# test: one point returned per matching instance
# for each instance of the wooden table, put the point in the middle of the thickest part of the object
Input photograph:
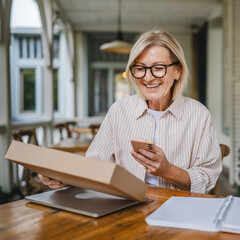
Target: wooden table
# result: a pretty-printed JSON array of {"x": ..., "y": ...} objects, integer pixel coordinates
[
  {"x": 91, "y": 129},
  {"x": 81, "y": 130},
  {"x": 73, "y": 145},
  {"x": 22, "y": 220}
]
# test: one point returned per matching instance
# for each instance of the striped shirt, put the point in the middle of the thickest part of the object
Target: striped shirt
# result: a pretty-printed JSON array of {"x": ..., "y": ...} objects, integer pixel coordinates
[{"x": 185, "y": 135}]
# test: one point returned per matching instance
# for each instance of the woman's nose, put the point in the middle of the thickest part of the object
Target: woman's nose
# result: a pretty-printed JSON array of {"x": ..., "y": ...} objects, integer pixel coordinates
[{"x": 148, "y": 75}]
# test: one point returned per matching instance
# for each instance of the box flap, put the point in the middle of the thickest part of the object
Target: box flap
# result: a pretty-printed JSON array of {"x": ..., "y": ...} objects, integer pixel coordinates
[{"x": 78, "y": 170}]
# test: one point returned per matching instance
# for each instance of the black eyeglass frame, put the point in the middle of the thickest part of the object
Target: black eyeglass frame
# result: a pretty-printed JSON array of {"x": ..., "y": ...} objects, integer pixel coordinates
[{"x": 145, "y": 68}]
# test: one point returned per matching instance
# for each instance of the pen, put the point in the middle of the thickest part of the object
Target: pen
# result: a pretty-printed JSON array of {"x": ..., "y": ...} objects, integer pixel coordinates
[{"x": 222, "y": 211}]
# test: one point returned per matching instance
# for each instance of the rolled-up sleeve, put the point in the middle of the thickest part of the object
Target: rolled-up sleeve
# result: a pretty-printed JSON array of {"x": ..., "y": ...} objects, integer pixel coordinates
[
  {"x": 206, "y": 167},
  {"x": 102, "y": 146}
]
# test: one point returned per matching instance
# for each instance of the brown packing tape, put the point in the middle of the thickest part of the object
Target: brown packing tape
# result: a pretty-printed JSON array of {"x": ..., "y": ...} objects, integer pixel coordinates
[{"x": 78, "y": 170}]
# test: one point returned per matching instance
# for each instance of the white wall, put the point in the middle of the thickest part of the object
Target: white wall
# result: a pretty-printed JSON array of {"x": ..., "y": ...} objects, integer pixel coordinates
[
  {"x": 215, "y": 85},
  {"x": 66, "y": 83},
  {"x": 185, "y": 40},
  {"x": 81, "y": 75},
  {"x": 25, "y": 13}
]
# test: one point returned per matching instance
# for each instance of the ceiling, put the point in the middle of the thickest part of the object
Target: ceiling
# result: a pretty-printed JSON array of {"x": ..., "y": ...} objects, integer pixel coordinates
[{"x": 137, "y": 15}]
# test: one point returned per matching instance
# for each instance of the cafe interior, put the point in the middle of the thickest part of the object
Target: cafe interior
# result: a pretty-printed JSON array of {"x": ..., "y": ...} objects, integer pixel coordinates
[{"x": 63, "y": 63}]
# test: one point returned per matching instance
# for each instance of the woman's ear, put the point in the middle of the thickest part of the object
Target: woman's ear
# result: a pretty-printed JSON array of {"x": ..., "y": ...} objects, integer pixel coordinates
[{"x": 178, "y": 72}]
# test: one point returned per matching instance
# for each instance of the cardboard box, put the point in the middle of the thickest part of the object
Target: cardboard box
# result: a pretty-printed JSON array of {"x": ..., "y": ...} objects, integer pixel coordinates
[{"x": 77, "y": 170}]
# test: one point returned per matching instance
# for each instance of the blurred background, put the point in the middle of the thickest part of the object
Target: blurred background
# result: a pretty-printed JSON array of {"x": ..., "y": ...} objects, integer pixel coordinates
[{"x": 62, "y": 65}]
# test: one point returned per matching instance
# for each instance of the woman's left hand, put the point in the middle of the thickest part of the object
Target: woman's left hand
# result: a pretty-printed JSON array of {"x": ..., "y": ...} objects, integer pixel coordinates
[
  {"x": 155, "y": 163},
  {"x": 158, "y": 165}
]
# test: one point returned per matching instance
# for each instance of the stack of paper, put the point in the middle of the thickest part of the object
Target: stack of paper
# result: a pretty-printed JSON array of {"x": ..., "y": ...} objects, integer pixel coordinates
[{"x": 205, "y": 214}]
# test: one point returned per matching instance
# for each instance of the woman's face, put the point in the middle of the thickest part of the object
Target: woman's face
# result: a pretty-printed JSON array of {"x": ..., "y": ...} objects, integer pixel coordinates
[{"x": 157, "y": 90}]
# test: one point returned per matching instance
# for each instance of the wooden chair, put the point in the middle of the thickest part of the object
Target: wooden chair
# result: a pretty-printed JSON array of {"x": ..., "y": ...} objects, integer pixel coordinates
[
  {"x": 60, "y": 127},
  {"x": 94, "y": 128},
  {"x": 65, "y": 126},
  {"x": 225, "y": 150},
  {"x": 32, "y": 184},
  {"x": 69, "y": 125},
  {"x": 86, "y": 132},
  {"x": 29, "y": 133},
  {"x": 68, "y": 143}
]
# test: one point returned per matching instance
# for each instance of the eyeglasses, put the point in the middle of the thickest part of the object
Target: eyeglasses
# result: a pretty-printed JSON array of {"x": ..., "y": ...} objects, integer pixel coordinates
[{"x": 158, "y": 70}]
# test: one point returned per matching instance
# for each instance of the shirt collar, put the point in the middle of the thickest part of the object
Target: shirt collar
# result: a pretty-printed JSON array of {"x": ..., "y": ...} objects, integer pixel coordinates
[
  {"x": 176, "y": 108},
  {"x": 141, "y": 108}
]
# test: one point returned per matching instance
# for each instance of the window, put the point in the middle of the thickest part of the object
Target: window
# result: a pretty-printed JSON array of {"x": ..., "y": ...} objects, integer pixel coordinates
[
  {"x": 100, "y": 94},
  {"x": 106, "y": 80},
  {"x": 121, "y": 88},
  {"x": 28, "y": 89},
  {"x": 30, "y": 47},
  {"x": 37, "y": 48},
  {"x": 20, "y": 42},
  {"x": 28, "y": 42},
  {"x": 107, "y": 85},
  {"x": 27, "y": 76}
]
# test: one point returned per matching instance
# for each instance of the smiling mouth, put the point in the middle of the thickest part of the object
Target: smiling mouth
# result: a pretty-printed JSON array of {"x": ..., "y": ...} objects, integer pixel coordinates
[{"x": 152, "y": 85}]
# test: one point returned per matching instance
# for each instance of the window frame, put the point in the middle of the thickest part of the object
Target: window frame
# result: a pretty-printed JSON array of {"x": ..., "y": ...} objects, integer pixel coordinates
[
  {"x": 35, "y": 61},
  {"x": 110, "y": 67}
]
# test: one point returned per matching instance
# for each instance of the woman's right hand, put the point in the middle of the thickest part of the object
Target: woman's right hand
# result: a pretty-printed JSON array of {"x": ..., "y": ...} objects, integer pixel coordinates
[{"x": 51, "y": 183}]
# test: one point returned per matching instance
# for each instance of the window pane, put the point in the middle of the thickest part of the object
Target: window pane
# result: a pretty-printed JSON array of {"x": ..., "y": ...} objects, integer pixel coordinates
[
  {"x": 28, "y": 89},
  {"x": 28, "y": 47},
  {"x": 35, "y": 47},
  {"x": 41, "y": 48},
  {"x": 55, "y": 89},
  {"x": 20, "y": 47},
  {"x": 100, "y": 91},
  {"x": 56, "y": 47},
  {"x": 121, "y": 88}
]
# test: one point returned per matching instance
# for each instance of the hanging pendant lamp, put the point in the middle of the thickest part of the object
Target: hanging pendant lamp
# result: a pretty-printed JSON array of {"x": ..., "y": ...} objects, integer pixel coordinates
[{"x": 118, "y": 45}]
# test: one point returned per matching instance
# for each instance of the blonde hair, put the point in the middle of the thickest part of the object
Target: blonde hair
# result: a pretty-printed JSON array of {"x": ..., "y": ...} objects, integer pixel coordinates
[{"x": 163, "y": 39}]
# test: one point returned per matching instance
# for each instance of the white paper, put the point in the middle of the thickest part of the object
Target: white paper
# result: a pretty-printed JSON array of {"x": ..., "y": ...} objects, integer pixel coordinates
[
  {"x": 187, "y": 212},
  {"x": 231, "y": 220}
]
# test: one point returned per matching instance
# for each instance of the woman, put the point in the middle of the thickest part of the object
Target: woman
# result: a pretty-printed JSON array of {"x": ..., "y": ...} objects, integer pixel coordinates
[{"x": 187, "y": 155}]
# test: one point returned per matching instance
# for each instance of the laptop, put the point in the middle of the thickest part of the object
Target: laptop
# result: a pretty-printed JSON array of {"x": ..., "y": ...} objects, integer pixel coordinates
[{"x": 82, "y": 201}]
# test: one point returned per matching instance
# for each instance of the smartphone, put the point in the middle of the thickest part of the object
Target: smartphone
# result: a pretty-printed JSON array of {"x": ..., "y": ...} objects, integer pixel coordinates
[{"x": 143, "y": 144}]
